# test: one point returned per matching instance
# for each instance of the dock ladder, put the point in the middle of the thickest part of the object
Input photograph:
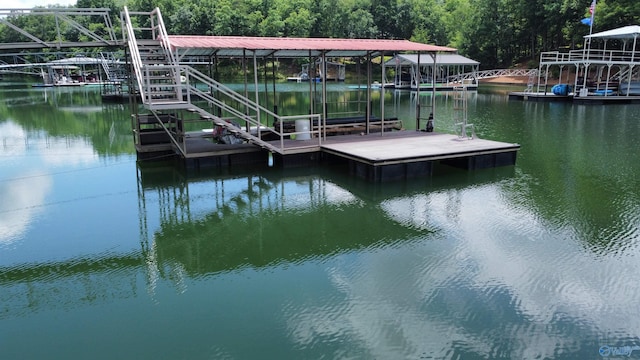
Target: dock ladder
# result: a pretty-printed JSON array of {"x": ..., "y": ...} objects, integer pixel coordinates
[
  {"x": 424, "y": 113},
  {"x": 460, "y": 109},
  {"x": 533, "y": 78}
]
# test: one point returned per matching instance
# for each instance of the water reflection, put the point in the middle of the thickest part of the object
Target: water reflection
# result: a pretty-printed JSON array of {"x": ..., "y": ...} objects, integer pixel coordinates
[
  {"x": 21, "y": 203},
  {"x": 231, "y": 222}
]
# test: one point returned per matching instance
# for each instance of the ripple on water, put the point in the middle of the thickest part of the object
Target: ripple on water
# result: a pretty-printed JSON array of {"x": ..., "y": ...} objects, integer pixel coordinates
[{"x": 29, "y": 288}]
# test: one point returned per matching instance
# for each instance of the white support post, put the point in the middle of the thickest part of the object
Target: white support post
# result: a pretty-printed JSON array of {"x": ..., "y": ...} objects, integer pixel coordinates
[
  {"x": 257, "y": 93},
  {"x": 324, "y": 92},
  {"x": 381, "y": 94},
  {"x": 418, "y": 101}
]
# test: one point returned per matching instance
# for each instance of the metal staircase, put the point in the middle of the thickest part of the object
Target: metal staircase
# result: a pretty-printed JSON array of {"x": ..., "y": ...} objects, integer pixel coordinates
[
  {"x": 170, "y": 91},
  {"x": 113, "y": 69}
]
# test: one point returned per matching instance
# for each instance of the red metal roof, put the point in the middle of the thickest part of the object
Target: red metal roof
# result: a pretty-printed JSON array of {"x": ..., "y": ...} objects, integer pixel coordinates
[{"x": 293, "y": 47}]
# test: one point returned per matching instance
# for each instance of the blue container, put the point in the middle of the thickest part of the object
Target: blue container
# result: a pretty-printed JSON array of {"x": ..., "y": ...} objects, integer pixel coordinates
[{"x": 561, "y": 89}]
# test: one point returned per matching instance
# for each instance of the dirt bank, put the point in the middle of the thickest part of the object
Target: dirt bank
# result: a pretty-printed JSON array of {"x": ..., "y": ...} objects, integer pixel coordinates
[
  {"x": 506, "y": 80},
  {"x": 517, "y": 80}
]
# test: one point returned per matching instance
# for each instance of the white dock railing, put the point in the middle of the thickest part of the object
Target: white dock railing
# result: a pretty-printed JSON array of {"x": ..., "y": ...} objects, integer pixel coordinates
[
  {"x": 487, "y": 74},
  {"x": 591, "y": 56}
]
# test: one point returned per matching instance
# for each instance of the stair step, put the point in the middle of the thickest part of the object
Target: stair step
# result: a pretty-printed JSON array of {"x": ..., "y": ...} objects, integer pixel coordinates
[{"x": 162, "y": 93}]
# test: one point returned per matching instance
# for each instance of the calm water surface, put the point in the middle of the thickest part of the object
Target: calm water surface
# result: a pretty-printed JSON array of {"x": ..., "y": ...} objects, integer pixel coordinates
[{"x": 104, "y": 258}]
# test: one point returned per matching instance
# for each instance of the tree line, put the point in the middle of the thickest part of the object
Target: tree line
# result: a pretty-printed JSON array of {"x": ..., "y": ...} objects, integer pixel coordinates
[{"x": 497, "y": 33}]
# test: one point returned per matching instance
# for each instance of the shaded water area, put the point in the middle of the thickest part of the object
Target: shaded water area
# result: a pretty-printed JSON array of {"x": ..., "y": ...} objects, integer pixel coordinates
[{"x": 103, "y": 258}]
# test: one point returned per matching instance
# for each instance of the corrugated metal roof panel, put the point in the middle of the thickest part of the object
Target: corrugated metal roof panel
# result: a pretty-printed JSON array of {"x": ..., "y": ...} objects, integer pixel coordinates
[
  {"x": 293, "y": 47},
  {"x": 626, "y": 32},
  {"x": 441, "y": 59}
]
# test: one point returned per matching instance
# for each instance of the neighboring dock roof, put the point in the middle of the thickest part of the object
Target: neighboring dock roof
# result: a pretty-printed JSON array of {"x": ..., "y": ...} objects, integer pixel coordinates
[
  {"x": 77, "y": 60},
  {"x": 236, "y": 46},
  {"x": 625, "y": 32},
  {"x": 441, "y": 59}
]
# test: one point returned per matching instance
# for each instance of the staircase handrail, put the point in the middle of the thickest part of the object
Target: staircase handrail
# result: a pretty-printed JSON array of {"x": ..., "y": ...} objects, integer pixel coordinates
[
  {"x": 104, "y": 62},
  {"x": 164, "y": 36},
  {"x": 136, "y": 61},
  {"x": 250, "y": 104}
]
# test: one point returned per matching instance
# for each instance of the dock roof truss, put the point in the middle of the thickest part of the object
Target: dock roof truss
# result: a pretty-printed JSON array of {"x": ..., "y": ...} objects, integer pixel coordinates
[{"x": 64, "y": 17}]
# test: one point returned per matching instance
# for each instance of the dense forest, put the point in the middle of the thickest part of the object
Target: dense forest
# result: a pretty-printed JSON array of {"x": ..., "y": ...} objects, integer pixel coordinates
[{"x": 498, "y": 33}]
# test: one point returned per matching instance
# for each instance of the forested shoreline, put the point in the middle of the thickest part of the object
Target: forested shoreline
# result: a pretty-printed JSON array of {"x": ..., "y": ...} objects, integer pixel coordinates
[{"x": 497, "y": 33}]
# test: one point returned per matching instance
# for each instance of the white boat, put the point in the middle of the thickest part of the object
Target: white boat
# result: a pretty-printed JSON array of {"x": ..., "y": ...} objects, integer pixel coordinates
[{"x": 65, "y": 81}]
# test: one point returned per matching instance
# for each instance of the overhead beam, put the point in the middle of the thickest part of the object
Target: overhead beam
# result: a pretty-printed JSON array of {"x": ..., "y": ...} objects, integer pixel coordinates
[{"x": 66, "y": 16}]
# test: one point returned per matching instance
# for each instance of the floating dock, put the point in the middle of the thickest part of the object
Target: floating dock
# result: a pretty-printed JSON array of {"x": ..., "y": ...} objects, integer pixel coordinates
[
  {"x": 534, "y": 96},
  {"x": 590, "y": 99},
  {"x": 395, "y": 156},
  {"x": 410, "y": 154}
]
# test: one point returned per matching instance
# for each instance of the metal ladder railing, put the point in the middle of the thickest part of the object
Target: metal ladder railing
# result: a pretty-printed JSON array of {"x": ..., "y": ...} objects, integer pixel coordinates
[
  {"x": 111, "y": 67},
  {"x": 460, "y": 111},
  {"x": 424, "y": 114},
  {"x": 531, "y": 82},
  {"x": 130, "y": 37}
]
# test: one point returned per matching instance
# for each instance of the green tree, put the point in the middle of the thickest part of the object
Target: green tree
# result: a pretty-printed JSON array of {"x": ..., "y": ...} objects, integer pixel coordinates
[
  {"x": 384, "y": 13},
  {"x": 360, "y": 25},
  {"x": 429, "y": 26},
  {"x": 298, "y": 23},
  {"x": 182, "y": 20},
  {"x": 229, "y": 18},
  {"x": 614, "y": 13},
  {"x": 327, "y": 14}
]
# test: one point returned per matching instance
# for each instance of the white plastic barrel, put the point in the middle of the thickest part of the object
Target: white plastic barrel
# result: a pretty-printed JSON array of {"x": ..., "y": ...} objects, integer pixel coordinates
[{"x": 302, "y": 130}]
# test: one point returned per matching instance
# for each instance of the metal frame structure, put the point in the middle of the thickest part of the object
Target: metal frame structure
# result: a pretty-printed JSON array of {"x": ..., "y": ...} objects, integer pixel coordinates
[
  {"x": 65, "y": 18},
  {"x": 447, "y": 70},
  {"x": 168, "y": 86},
  {"x": 614, "y": 68}
]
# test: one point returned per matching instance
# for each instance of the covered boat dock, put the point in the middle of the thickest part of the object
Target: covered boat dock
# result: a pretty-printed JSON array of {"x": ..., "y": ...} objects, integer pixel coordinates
[
  {"x": 436, "y": 71},
  {"x": 606, "y": 70},
  {"x": 174, "y": 94}
]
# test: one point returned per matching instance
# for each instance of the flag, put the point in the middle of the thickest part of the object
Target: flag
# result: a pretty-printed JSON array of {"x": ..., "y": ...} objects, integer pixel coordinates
[{"x": 592, "y": 11}]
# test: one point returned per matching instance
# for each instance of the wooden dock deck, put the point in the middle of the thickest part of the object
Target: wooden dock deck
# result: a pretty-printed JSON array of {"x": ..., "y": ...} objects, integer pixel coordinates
[
  {"x": 405, "y": 154},
  {"x": 412, "y": 154},
  {"x": 411, "y": 146}
]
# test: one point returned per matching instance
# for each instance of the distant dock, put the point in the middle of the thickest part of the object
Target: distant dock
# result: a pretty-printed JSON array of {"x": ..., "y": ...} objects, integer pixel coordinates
[
  {"x": 534, "y": 96},
  {"x": 590, "y": 99}
]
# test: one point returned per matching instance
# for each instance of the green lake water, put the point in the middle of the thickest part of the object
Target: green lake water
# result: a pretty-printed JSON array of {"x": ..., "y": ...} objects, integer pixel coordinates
[{"x": 105, "y": 258}]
